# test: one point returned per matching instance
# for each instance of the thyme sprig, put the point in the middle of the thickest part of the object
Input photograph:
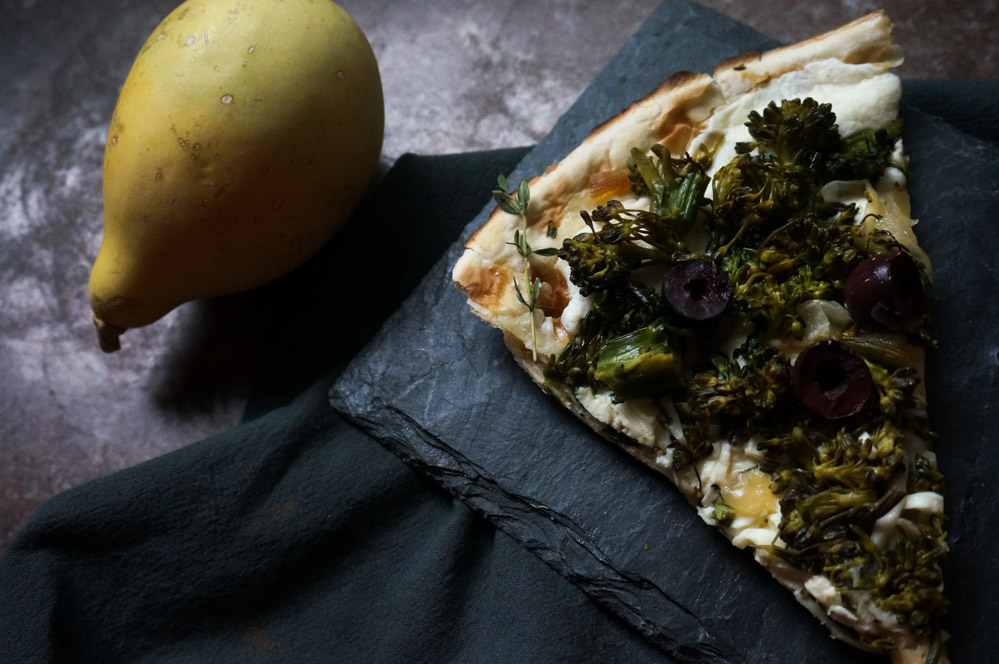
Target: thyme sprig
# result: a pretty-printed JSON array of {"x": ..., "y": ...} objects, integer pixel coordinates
[{"x": 516, "y": 204}]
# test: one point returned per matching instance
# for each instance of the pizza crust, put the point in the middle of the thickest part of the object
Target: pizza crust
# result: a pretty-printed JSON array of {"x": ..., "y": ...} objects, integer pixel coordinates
[{"x": 867, "y": 40}]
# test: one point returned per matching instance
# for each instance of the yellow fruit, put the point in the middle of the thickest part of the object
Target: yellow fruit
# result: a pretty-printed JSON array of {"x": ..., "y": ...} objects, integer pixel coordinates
[{"x": 245, "y": 134}]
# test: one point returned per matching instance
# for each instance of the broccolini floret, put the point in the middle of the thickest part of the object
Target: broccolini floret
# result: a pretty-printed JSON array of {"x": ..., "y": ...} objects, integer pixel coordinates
[
  {"x": 798, "y": 132},
  {"x": 864, "y": 155},
  {"x": 796, "y": 149},
  {"x": 604, "y": 259},
  {"x": 627, "y": 240},
  {"x": 835, "y": 485},
  {"x": 627, "y": 309}
]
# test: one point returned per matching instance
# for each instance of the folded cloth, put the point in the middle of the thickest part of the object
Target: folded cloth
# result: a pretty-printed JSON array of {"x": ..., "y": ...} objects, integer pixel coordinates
[{"x": 295, "y": 537}]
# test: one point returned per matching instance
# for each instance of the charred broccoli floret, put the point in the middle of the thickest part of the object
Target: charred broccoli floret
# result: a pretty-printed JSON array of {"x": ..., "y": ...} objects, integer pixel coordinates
[
  {"x": 603, "y": 259},
  {"x": 796, "y": 149},
  {"x": 775, "y": 176},
  {"x": 909, "y": 580},
  {"x": 745, "y": 387},
  {"x": 627, "y": 240},
  {"x": 864, "y": 155},
  {"x": 614, "y": 314},
  {"x": 799, "y": 132},
  {"x": 735, "y": 394}
]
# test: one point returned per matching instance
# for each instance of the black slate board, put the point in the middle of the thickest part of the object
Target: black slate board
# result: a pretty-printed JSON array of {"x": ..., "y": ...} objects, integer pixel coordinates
[{"x": 438, "y": 388}]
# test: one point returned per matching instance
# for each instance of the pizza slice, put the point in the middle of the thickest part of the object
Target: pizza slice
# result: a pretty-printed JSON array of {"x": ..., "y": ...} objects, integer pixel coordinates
[{"x": 724, "y": 280}]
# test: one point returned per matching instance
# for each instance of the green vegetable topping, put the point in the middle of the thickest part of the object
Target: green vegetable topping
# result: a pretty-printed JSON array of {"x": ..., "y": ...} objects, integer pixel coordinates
[
  {"x": 768, "y": 228},
  {"x": 639, "y": 364},
  {"x": 628, "y": 309},
  {"x": 722, "y": 511}
]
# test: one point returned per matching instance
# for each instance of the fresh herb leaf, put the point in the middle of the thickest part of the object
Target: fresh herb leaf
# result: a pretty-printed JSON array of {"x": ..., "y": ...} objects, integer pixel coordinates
[{"x": 517, "y": 204}]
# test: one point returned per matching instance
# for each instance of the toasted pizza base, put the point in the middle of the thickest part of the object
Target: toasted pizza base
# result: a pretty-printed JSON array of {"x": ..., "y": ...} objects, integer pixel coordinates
[{"x": 690, "y": 113}]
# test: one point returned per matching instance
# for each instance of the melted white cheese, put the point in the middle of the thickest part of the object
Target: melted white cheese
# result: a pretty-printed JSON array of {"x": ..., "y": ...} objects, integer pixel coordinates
[
  {"x": 823, "y": 590},
  {"x": 730, "y": 473},
  {"x": 637, "y": 418},
  {"x": 900, "y": 519},
  {"x": 578, "y": 305},
  {"x": 862, "y": 96}
]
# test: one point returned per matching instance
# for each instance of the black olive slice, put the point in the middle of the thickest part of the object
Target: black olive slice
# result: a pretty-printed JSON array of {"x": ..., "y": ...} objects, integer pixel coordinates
[
  {"x": 831, "y": 380},
  {"x": 886, "y": 289},
  {"x": 697, "y": 289}
]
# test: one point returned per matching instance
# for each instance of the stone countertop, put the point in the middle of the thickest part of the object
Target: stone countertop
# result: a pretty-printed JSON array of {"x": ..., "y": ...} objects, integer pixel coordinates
[{"x": 458, "y": 76}]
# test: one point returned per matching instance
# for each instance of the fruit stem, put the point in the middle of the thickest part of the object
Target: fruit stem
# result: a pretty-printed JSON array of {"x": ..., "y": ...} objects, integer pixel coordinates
[{"x": 108, "y": 335}]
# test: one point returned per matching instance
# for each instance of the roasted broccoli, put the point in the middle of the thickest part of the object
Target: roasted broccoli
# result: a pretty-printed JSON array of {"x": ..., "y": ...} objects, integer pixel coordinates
[
  {"x": 602, "y": 259},
  {"x": 745, "y": 387},
  {"x": 863, "y": 155},
  {"x": 796, "y": 149},
  {"x": 643, "y": 363},
  {"x": 799, "y": 132},
  {"x": 734, "y": 394},
  {"x": 774, "y": 178},
  {"x": 909, "y": 581},
  {"x": 627, "y": 309},
  {"x": 835, "y": 484}
]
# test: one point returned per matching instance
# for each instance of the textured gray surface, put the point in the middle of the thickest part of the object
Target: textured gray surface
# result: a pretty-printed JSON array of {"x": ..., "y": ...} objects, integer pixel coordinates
[{"x": 458, "y": 76}]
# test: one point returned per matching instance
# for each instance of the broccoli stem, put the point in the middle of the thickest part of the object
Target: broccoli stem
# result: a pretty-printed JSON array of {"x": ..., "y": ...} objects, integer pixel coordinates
[{"x": 642, "y": 363}]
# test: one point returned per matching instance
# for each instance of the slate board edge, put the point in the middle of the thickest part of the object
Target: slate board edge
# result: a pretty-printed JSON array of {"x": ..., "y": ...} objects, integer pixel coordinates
[{"x": 673, "y": 627}]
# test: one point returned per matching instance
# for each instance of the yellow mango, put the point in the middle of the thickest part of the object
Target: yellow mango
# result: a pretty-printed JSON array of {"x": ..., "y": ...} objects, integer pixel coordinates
[{"x": 245, "y": 134}]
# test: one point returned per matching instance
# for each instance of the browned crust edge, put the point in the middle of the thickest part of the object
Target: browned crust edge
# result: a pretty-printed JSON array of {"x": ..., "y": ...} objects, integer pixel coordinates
[{"x": 865, "y": 40}]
